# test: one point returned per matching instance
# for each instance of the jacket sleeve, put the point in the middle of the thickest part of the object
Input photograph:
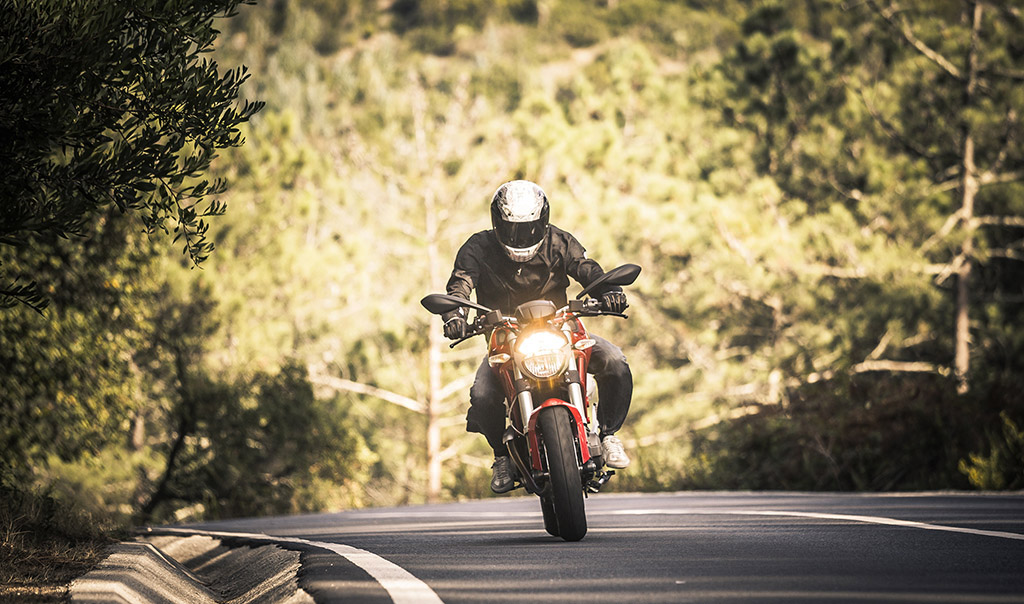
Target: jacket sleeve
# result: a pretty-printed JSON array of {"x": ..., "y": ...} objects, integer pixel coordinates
[
  {"x": 583, "y": 269},
  {"x": 464, "y": 277}
]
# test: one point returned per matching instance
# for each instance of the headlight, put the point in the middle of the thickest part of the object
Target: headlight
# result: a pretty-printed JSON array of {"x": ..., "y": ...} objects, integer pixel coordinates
[{"x": 544, "y": 353}]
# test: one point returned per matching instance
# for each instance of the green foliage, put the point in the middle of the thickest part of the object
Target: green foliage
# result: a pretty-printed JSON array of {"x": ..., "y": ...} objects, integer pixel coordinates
[
  {"x": 112, "y": 105},
  {"x": 926, "y": 117},
  {"x": 44, "y": 545},
  {"x": 431, "y": 25},
  {"x": 69, "y": 381},
  {"x": 26, "y": 512},
  {"x": 785, "y": 241},
  {"x": 1003, "y": 467},
  {"x": 253, "y": 448},
  {"x": 579, "y": 23},
  {"x": 790, "y": 329},
  {"x": 101, "y": 486},
  {"x": 869, "y": 433}
]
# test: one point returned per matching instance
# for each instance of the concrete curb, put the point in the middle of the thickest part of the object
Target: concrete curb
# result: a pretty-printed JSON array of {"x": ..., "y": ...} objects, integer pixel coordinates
[{"x": 192, "y": 570}]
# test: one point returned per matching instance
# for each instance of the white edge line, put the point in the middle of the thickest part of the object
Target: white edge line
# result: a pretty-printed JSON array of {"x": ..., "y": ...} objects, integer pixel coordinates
[
  {"x": 401, "y": 585},
  {"x": 826, "y": 516}
]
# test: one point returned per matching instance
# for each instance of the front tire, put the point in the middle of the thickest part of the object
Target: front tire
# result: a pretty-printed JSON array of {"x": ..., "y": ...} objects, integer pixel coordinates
[
  {"x": 547, "y": 508},
  {"x": 565, "y": 486}
]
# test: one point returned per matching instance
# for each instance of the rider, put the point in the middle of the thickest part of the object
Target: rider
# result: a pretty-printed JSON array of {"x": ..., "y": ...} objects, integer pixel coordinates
[{"x": 524, "y": 258}]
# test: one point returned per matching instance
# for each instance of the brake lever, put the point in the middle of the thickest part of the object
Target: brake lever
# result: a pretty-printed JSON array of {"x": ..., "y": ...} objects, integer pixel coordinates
[
  {"x": 479, "y": 326},
  {"x": 606, "y": 313},
  {"x": 464, "y": 338}
]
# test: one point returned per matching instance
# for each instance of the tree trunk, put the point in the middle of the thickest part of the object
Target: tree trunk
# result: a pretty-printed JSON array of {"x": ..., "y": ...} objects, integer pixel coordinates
[
  {"x": 137, "y": 440},
  {"x": 137, "y": 433},
  {"x": 163, "y": 491},
  {"x": 962, "y": 355},
  {"x": 186, "y": 425}
]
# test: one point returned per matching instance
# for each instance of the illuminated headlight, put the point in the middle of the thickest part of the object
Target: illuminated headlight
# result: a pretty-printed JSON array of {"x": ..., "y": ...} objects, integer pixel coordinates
[{"x": 544, "y": 353}]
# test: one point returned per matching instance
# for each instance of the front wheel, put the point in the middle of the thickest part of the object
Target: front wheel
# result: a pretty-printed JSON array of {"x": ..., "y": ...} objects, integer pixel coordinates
[
  {"x": 547, "y": 508},
  {"x": 565, "y": 484}
]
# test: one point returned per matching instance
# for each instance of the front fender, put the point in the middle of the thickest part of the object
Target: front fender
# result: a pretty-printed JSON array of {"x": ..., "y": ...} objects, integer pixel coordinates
[{"x": 579, "y": 428}]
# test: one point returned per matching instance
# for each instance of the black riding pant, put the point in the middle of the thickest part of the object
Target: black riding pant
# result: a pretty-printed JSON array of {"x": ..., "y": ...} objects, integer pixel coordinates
[{"x": 486, "y": 413}]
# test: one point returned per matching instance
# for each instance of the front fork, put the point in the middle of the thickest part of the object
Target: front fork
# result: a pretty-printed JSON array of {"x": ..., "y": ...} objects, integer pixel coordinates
[
  {"x": 593, "y": 432},
  {"x": 593, "y": 477},
  {"x": 524, "y": 398}
]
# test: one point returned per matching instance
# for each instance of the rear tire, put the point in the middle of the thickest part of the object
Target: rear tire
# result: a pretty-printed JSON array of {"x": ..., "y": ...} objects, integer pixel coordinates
[{"x": 565, "y": 483}]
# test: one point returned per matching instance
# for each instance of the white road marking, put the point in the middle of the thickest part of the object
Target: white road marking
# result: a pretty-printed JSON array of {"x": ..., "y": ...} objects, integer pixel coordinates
[
  {"x": 823, "y": 516},
  {"x": 455, "y": 522},
  {"x": 404, "y": 588},
  {"x": 365, "y": 514},
  {"x": 401, "y": 585}
]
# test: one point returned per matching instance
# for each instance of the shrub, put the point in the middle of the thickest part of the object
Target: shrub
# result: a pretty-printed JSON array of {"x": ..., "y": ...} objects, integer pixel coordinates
[
  {"x": 579, "y": 27},
  {"x": 871, "y": 432},
  {"x": 1003, "y": 467}
]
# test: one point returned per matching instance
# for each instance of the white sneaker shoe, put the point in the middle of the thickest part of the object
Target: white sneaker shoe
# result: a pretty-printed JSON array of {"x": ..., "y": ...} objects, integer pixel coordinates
[{"x": 614, "y": 453}]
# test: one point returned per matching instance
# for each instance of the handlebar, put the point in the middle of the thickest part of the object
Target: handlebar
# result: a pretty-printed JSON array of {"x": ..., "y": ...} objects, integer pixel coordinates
[
  {"x": 472, "y": 334},
  {"x": 590, "y": 307}
]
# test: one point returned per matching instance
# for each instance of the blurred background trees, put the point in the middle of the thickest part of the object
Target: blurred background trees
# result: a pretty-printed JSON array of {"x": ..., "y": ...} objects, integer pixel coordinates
[{"x": 823, "y": 198}]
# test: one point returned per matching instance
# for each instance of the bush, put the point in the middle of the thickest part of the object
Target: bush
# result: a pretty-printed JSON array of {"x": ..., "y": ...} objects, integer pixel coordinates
[
  {"x": 434, "y": 40},
  {"x": 870, "y": 432},
  {"x": 579, "y": 27},
  {"x": 1003, "y": 467},
  {"x": 44, "y": 545}
]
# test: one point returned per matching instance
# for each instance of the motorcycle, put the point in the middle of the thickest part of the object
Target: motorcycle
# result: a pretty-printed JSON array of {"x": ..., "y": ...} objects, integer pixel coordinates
[{"x": 540, "y": 355}]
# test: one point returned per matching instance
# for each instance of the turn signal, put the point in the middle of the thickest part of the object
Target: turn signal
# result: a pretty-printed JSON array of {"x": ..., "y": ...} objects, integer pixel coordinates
[
  {"x": 584, "y": 344},
  {"x": 499, "y": 359}
]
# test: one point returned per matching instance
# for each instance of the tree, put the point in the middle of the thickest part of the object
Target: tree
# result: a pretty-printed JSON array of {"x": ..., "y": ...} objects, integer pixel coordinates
[
  {"x": 69, "y": 381},
  {"x": 959, "y": 70},
  {"x": 111, "y": 104},
  {"x": 253, "y": 444},
  {"x": 861, "y": 124},
  {"x": 903, "y": 131},
  {"x": 441, "y": 128}
]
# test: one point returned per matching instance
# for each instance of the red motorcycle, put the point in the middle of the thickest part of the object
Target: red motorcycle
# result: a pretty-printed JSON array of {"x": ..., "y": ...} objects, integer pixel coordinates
[{"x": 540, "y": 355}]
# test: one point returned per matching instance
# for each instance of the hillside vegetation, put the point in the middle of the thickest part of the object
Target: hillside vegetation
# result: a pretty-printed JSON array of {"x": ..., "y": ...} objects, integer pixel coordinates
[{"x": 829, "y": 222}]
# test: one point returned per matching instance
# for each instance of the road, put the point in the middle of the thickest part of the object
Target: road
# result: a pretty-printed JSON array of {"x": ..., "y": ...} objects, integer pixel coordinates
[{"x": 681, "y": 547}]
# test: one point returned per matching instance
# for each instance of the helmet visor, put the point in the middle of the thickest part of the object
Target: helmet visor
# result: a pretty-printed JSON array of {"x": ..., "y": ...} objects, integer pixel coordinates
[{"x": 521, "y": 234}]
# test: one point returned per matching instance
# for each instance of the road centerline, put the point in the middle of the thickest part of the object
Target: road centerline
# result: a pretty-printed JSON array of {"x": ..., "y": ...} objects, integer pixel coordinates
[{"x": 881, "y": 520}]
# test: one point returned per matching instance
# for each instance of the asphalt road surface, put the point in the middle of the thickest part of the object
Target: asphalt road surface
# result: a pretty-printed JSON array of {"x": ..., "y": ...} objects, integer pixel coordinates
[{"x": 681, "y": 547}]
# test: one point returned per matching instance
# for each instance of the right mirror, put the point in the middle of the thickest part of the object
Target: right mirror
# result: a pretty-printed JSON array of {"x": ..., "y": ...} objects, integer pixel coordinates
[{"x": 620, "y": 275}]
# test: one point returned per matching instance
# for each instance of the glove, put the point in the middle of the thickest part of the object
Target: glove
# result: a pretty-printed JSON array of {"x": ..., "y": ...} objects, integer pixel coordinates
[
  {"x": 456, "y": 328},
  {"x": 614, "y": 302}
]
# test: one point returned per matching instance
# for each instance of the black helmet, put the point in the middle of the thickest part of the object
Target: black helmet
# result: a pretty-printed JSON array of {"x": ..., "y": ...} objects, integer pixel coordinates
[{"x": 519, "y": 215}]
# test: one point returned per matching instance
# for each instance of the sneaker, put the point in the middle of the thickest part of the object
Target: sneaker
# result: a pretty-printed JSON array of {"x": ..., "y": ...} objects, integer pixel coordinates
[
  {"x": 501, "y": 475},
  {"x": 614, "y": 454}
]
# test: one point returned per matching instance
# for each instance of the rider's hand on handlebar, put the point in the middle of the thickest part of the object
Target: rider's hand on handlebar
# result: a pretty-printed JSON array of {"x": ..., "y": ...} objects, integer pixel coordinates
[
  {"x": 614, "y": 302},
  {"x": 456, "y": 328}
]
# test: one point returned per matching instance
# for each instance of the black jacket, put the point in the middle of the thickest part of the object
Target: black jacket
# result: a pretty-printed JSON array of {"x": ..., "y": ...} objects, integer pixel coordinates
[{"x": 503, "y": 284}]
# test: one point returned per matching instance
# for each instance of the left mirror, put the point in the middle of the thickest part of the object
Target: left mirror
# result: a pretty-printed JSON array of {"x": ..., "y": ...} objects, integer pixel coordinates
[{"x": 441, "y": 303}]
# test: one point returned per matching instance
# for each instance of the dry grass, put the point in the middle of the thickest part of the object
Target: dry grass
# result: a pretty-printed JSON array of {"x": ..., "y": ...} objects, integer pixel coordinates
[{"x": 43, "y": 548}]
